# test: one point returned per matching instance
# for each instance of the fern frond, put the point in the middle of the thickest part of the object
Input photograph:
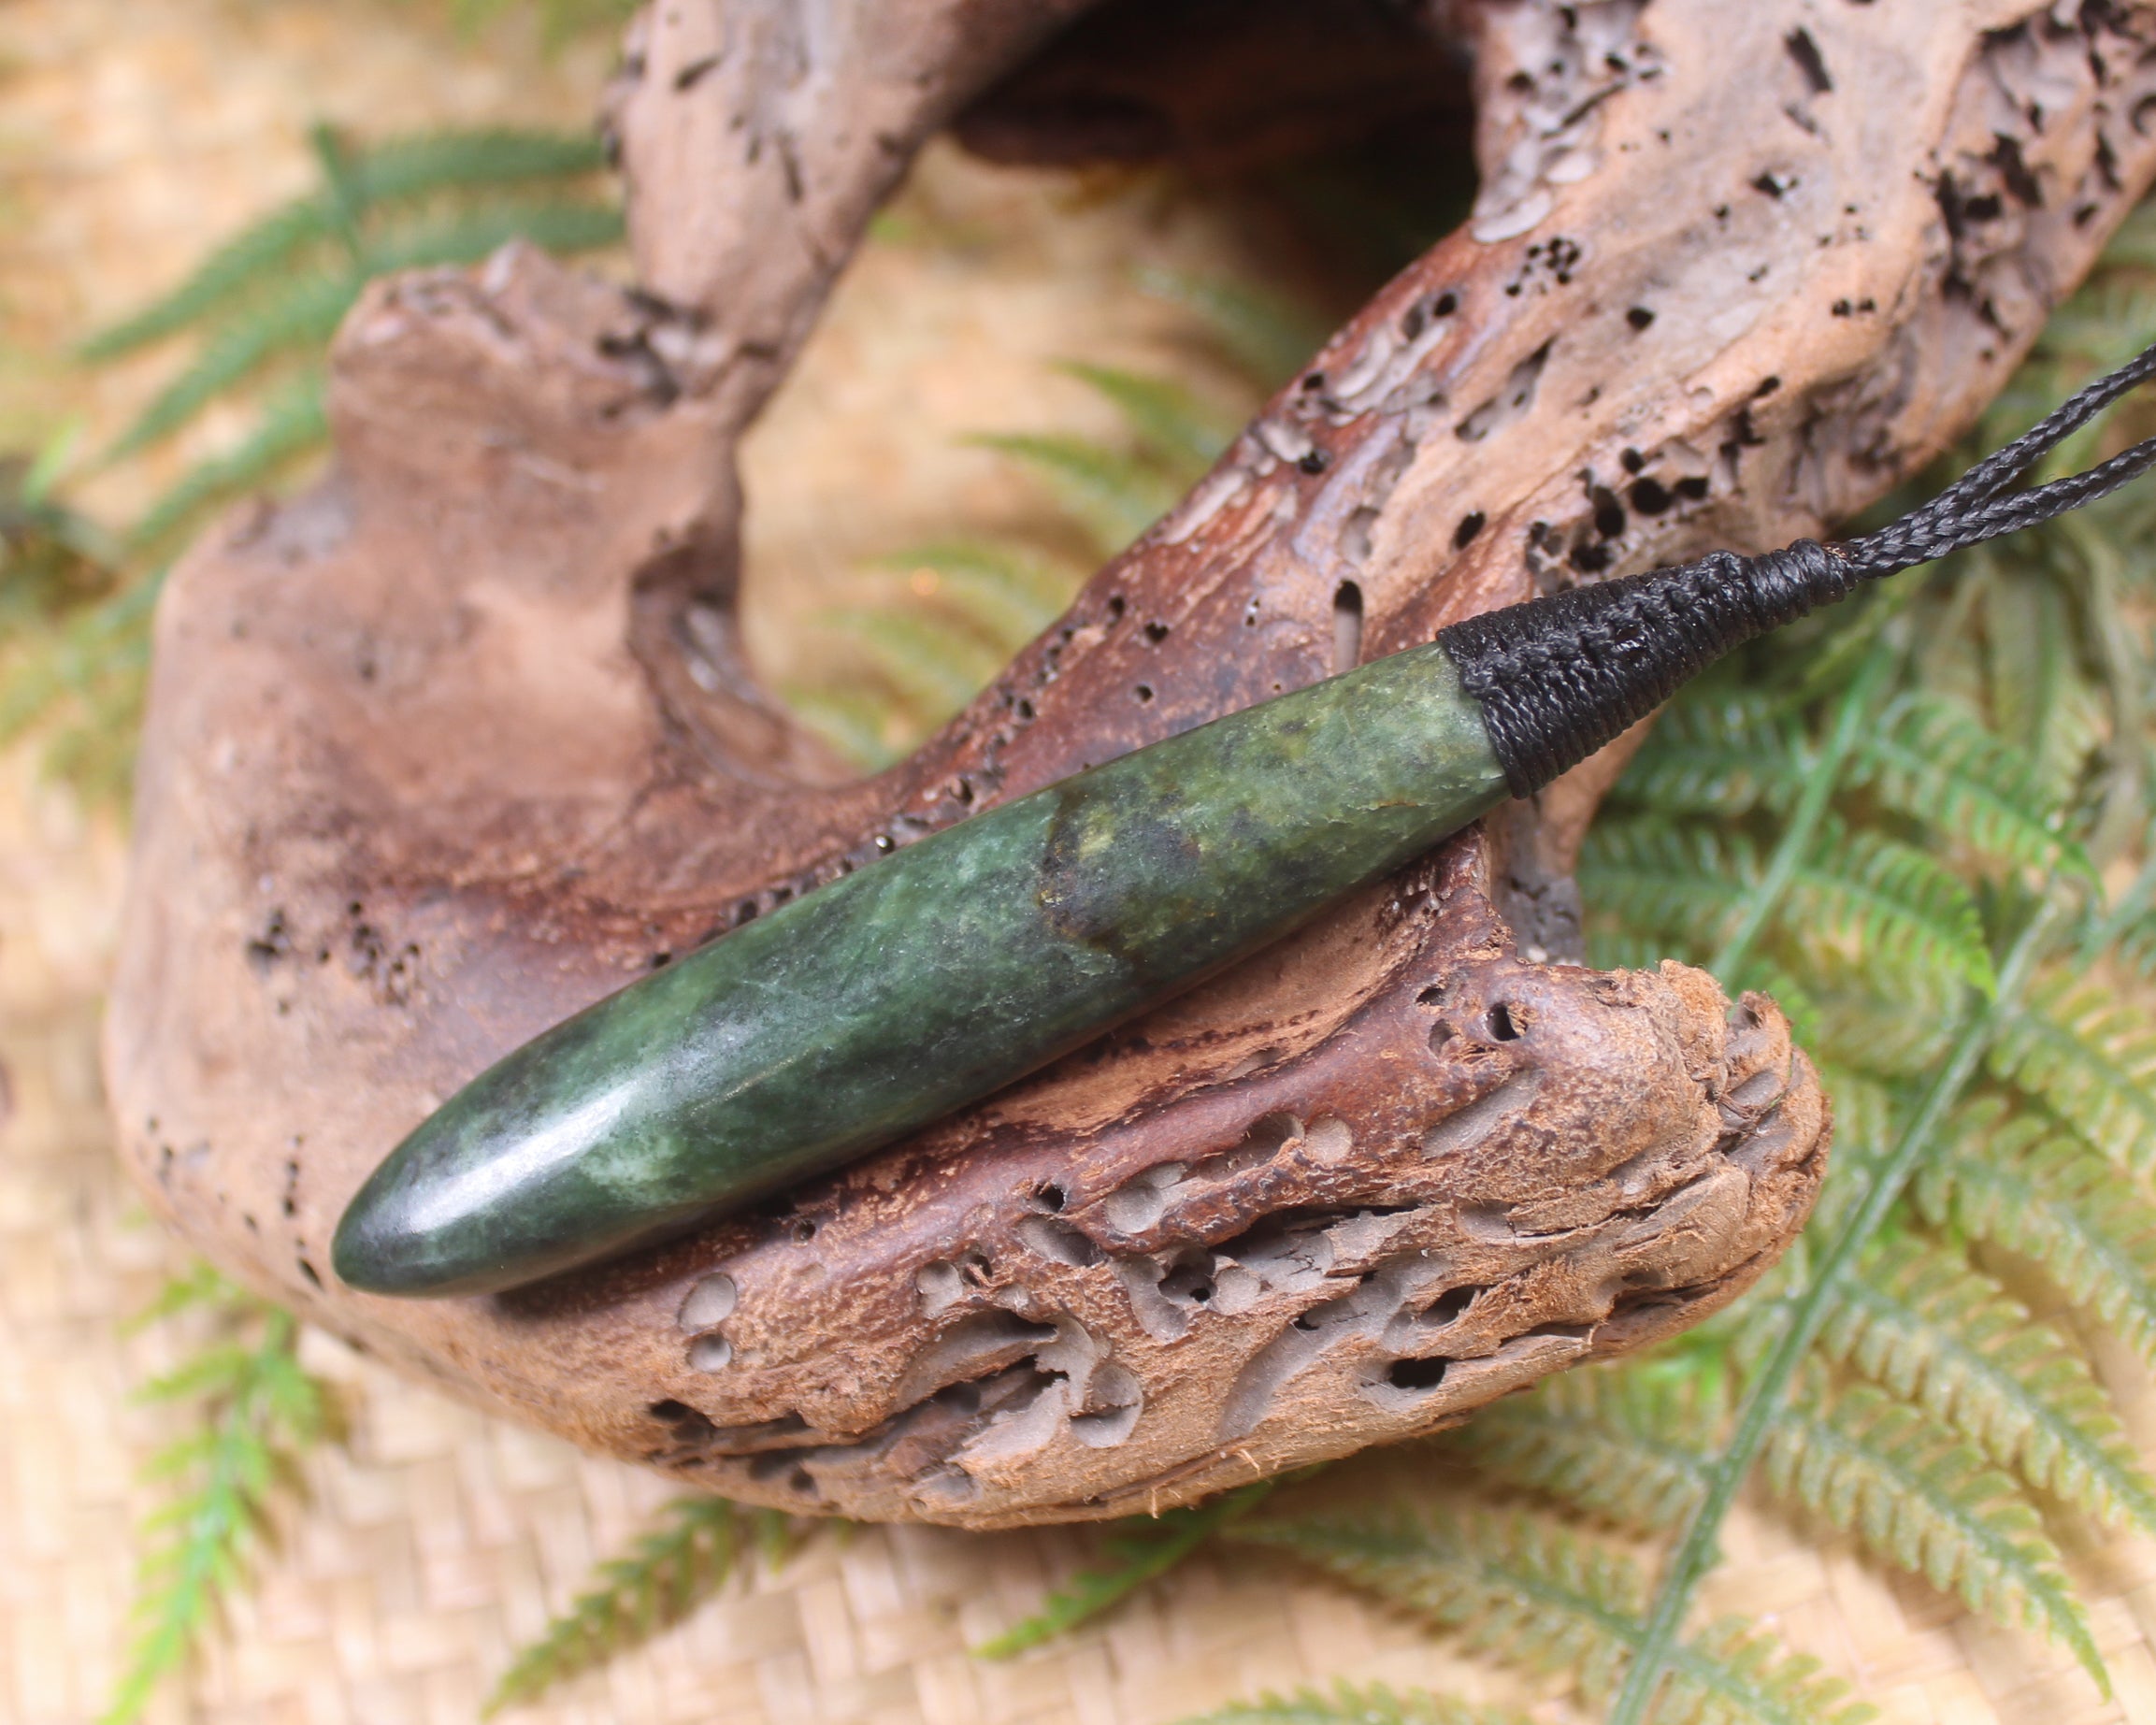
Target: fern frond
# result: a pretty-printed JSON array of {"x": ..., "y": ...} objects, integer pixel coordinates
[
  {"x": 82, "y": 677},
  {"x": 857, "y": 722},
  {"x": 1347, "y": 1703},
  {"x": 1517, "y": 1587},
  {"x": 667, "y": 1574},
  {"x": 433, "y": 162},
  {"x": 1883, "y": 902},
  {"x": 1003, "y": 593},
  {"x": 400, "y": 169},
  {"x": 1021, "y": 575},
  {"x": 1895, "y": 1026},
  {"x": 201, "y": 1284},
  {"x": 935, "y": 667},
  {"x": 1799, "y": 1000},
  {"x": 1732, "y": 1670},
  {"x": 2037, "y": 692},
  {"x": 260, "y": 1409},
  {"x": 1719, "y": 755},
  {"x": 1929, "y": 758},
  {"x": 301, "y": 318},
  {"x": 559, "y": 20},
  {"x": 2091, "y": 1059},
  {"x": 1140, "y": 1550},
  {"x": 469, "y": 235},
  {"x": 1682, "y": 883},
  {"x": 1533, "y": 1594},
  {"x": 256, "y": 254},
  {"x": 293, "y": 425},
  {"x": 1115, "y": 497},
  {"x": 1864, "y": 1110},
  {"x": 1875, "y": 1467},
  {"x": 1267, "y": 336},
  {"x": 1175, "y": 427},
  {"x": 1925, "y": 1327},
  {"x": 1877, "y": 901},
  {"x": 1621, "y": 1443},
  {"x": 1611, "y": 946},
  {"x": 2136, "y": 943},
  {"x": 2048, "y": 1197}
]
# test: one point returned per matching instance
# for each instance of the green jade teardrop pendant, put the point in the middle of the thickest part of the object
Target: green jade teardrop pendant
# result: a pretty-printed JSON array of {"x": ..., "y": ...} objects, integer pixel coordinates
[{"x": 892, "y": 996}]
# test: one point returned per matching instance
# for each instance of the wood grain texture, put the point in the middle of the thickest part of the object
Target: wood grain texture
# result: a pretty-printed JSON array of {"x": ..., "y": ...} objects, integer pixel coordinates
[{"x": 460, "y": 742}]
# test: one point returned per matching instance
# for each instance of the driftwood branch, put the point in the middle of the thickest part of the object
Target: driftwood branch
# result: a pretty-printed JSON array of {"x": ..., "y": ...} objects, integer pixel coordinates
[{"x": 460, "y": 740}]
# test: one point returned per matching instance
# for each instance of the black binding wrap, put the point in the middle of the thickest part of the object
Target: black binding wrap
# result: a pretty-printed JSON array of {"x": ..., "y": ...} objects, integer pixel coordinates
[{"x": 1559, "y": 677}]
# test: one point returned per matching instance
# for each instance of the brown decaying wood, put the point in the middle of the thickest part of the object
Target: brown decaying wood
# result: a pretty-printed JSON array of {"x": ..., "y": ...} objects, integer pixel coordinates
[{"x": 460, "y": 740}]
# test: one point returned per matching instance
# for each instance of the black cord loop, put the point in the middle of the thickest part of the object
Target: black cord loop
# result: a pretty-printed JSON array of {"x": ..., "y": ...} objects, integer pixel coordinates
[{"x": 1559, "y": 677}]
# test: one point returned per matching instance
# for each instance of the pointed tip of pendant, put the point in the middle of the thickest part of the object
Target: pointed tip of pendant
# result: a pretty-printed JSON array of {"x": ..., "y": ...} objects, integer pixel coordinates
[{"x": 386, "y": 1244}]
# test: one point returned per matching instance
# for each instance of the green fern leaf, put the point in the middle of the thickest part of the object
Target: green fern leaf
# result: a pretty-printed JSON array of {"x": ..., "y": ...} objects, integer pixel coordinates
[
  {"x": 2046, "y": 1197},
  {"x": 1682, "y": 883},
  {"x": 1622, "y": 1444},
  {"x": 1929, "y": 758},
  {"x": 302, "y": 319},
  {"x": 1875, "y": 1467},
  {"x": 469, "y": 235},
  {"x": 666, "y": 1576},
  {"x": 425, "y": 163},
  {"x": 401, "y": 170},
  {"x": 1516, "y": 1588},
  {"x": 1527, "y": 1591},
  {"x": 935, "y": 667},
  {"x": 1611, "y": 946},
  {"x": 560, "y": 20},
  {"x": 1722, "y": 755},
  {"x": 1347, "y": 1703},
  {"x": 1040, "y": 582},
  {"x": 201, "y": 1284},
  {"x": 1883, "y": 902},
  {"x": 1879, "y": 901},
  {"x": 2036, "y": 689},
  {"x": 1112, "y": 495},
  {"x": 1733, "y": 1671},
  {"x": 1182, "y": 434},
  {"x": 293, "y": 425},
  {"x": 2091, "y": 1059},
  {"x": 258, "y": 254},
  {"x": 260, "y": 1410},
  {"x": 1002, "y": 592},
  {"x": 1140, "y": 1550},
  {"x": 1267, "y": 336},
  {"x": 1899, "y": 1024},
  {"x": 855, "y": 722},
  {"x": 1800, "y": 1001},
  {"x": 80, "y": 681},
  {"x": 1929, "y": 1330},
  {"x": 2136, "y": 944}
]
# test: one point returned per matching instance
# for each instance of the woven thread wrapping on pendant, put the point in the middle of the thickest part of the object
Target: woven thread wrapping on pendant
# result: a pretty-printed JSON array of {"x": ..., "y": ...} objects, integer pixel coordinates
[{"x": 1559, "y": 677}]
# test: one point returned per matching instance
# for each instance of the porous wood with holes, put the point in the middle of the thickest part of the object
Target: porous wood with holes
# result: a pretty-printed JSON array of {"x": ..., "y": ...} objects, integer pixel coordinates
[{"x": 461, "y": 739}]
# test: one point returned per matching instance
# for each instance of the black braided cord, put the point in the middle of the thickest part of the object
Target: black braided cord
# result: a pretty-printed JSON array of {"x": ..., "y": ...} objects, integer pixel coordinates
[{"x": 1557, "y": 678}]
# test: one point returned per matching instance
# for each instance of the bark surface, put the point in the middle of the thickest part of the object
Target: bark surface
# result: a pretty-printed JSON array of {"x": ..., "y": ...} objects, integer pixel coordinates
[{"x": 460, "y": 740}]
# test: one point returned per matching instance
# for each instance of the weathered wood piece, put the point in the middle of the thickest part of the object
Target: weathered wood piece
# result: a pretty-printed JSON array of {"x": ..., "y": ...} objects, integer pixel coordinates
[{"x": 459, "y": 742}]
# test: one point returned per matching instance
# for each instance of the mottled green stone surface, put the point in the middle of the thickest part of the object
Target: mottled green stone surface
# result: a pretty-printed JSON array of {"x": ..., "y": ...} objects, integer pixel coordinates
[{"x": 878, "y": 1002}]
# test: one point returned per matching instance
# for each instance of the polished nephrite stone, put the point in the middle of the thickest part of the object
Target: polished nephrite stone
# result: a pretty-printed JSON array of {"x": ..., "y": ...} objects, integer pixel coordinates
[{"x": 872, "y": 1005}]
